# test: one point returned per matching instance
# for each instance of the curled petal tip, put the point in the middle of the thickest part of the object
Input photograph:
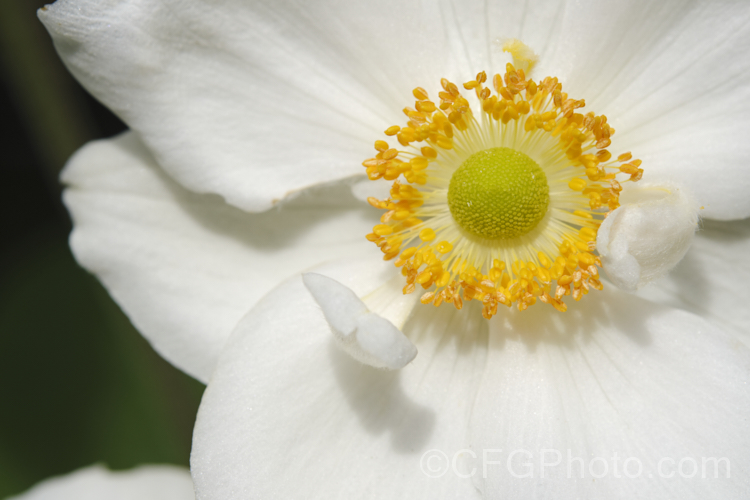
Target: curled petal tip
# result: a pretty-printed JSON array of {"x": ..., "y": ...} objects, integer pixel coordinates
[
  {"x": 647, "y": 235},
  {"x": 364, "y": 335}
]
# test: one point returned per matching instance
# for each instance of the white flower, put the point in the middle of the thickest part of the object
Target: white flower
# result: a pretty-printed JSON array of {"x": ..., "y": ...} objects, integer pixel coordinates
[
  {"x": 147, "y": 482},
  {"x": 257, "y": 101}
]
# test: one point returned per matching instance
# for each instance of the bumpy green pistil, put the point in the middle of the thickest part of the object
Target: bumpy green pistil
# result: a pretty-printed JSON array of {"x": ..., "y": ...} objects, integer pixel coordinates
[{"x": 498, "y": 193}]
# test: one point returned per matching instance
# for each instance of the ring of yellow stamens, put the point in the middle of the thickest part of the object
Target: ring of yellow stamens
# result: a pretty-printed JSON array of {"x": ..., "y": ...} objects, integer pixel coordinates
[{"x": 556, "y": 257}]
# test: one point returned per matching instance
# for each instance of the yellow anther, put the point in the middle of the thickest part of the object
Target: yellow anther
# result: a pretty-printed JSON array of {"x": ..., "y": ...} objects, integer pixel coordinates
[
  {"x": 390, "y": 154},
  {"x": 427, "y": 234},
  {"x": 603, "y": 155},
  {"x": 408, "y": 253},
  {"x": 585, "y": 259},
  {"x": 543, "y": 275},
  {"x": 587, "y": 233},
  {"x": 564, "y": 280},
  {"x": 444, "y": 247},
  {"x": 444, "y": 279},
  {"x": 428, "y": 152},
  {"x": 544, "y": 260},
  {"x": 381, "y": 146},
  {"x": 420, "y": 93},
  {"x": 628, "y": 168},
  {"x": 390, "y": 131},
  {"x": 444, "y": 143},
  {"x": 426, "y": 106},
  {"x": 577, "y": 184},
  {"x": 424, "y": 277},
  {"x": 382, "y": 229},
  {"x": 594, "y": 272},
  {"x": 419, "y": 163}
]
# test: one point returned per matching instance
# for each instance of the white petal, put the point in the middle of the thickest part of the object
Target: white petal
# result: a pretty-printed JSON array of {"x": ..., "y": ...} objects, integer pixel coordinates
[
  {"x": 186, "y": 267},
  {"x": 711, "y": 281},
  {"x": 251, "y": 100},
  {"x": 287, "y": 415},
  {"x": 148, "y": 482},
  {"x": 648, "y": 235},
  {"x": 671, "y": 76},
  {"x": 365, "y": 336},
  {"x": 614, "y": 377}
]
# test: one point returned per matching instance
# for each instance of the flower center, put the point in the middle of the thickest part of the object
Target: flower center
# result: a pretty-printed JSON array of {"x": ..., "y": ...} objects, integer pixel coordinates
[
  {"x": 498, "y": 201},
  {"x": 498, "y": 193}
]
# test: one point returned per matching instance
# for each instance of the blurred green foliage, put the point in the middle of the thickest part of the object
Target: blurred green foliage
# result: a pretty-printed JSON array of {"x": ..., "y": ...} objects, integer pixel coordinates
[{"x": 79, "y": 384}]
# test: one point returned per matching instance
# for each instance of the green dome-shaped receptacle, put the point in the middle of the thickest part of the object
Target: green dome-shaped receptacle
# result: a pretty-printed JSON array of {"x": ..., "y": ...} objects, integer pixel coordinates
[{"x": 498, "y": 193}]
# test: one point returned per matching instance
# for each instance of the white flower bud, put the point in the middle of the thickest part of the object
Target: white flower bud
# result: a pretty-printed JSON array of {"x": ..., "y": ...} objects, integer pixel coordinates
[{"x": 647, "y": 235}]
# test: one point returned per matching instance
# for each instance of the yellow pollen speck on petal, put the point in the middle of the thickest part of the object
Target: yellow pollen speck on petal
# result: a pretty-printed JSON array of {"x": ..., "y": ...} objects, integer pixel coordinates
[{"x": 498, "y": 195}]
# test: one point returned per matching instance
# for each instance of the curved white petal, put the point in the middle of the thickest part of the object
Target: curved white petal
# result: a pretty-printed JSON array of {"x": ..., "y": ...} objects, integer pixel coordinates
[
  {"x": 615, "y": 380},
  {"x": 648, "y": 234},
  {"x": 147, "y": 482},
  {"x": 186, "y": 267},
  {"x": 671, "y": 76},
  {"x": 251, "y": 100},
  {"x": 287, "y": 415},
  {"x": 712, "y": 280}
]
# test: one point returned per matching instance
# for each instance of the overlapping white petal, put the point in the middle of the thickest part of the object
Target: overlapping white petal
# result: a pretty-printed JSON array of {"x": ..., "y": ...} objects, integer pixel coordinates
[
  {"x": 289, "y": 415},
  {"x": 613, "y": 380},
  {"x": 148, "y": 482},
  {"x": 251, "y": 100},
  {"x": 186, "y": 267},
  {"x": 257, "y": 100}
]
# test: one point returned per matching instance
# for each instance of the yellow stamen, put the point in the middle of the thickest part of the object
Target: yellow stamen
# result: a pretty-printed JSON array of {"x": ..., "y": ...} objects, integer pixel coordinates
[{"x": 441, "y": 248}]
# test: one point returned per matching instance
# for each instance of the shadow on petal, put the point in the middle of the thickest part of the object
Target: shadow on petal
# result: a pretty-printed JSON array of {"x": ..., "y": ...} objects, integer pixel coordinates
[
  {"x": 377, "y": 399},
  {"x": 606, "y": 309}
]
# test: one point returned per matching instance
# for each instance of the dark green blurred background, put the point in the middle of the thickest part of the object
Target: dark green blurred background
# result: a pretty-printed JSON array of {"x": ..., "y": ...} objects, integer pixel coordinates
[{"x": 78, "y": 384}]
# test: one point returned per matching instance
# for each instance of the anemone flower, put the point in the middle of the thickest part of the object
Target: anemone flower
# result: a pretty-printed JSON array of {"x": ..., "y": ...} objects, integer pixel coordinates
[{"x": 252, "y": 124}]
